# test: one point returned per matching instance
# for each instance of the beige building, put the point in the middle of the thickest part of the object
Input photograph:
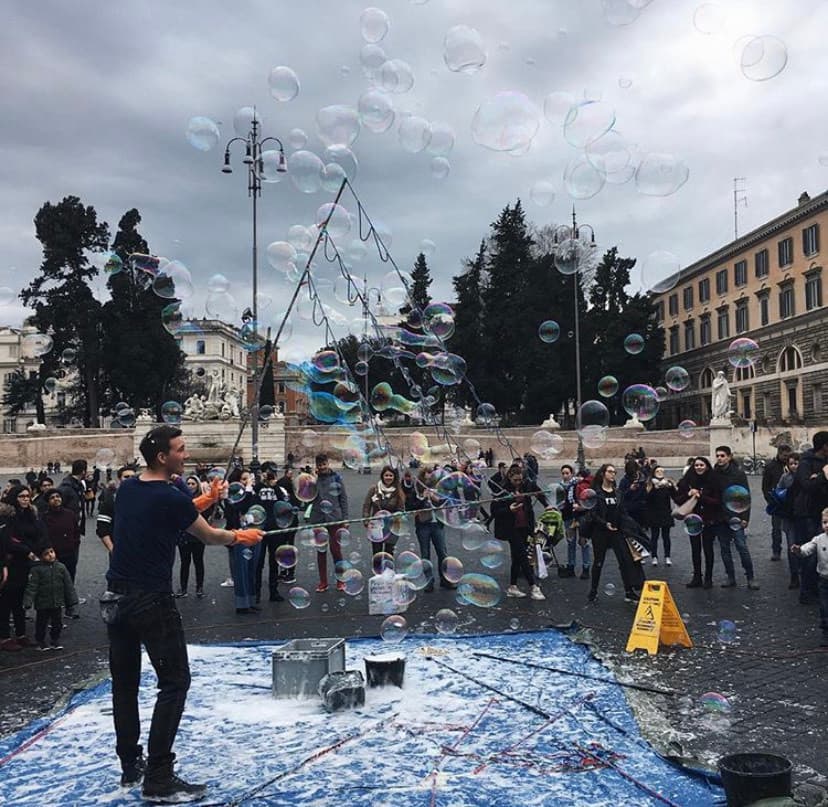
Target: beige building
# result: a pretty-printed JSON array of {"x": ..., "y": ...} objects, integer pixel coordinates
[
  {"x": 767, "y": 286},
  {"x": 214, "y": 349}
]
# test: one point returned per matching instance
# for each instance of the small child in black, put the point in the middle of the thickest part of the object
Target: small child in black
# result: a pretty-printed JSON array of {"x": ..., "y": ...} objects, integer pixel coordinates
[{"x": 50, "y": 590}]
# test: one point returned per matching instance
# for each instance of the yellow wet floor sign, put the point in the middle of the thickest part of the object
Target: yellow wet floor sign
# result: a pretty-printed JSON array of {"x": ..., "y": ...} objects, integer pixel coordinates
[{"x": 657, "y": 620}]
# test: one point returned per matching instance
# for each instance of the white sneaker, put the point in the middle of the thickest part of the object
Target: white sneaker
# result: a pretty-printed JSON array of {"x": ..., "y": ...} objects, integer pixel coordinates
[
  {"x": 668, "y": 561},
  {"x": 536, "y": 594},
  {"x": 228, "y": 583},
  {"x": 655, "y": 561},
  {"x": 514, "y": 591}
]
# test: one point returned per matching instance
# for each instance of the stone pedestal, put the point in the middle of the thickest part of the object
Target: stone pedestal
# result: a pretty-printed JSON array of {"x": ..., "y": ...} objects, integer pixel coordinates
[
  {"x": 211, "y": 441},
  {"x": 551, "y": 423},
  {"x": 634, "y": 423},
  {"x": 721, "y": 434}
]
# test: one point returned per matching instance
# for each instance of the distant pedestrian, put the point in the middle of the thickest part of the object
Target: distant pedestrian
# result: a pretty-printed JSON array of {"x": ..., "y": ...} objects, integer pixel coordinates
[
  {"x": 50, "y": 589},
  {"x": 770, "y": 479},
  {"x": 384, "y": 497},
  {"x": 818, "y": 546},
  {"x": 659, "y": 500},
  {"x": 329, "y": 507}
]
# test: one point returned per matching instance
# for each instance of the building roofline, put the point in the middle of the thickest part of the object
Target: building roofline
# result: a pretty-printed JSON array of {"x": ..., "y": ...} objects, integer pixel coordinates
[{"x": 802, "y": 210}]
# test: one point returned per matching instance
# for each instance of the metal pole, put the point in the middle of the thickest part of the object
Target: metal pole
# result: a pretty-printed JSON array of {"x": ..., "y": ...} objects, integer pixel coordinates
[
  {"x": 580, "y": 459},
  {"x": 255, "y": 189}
]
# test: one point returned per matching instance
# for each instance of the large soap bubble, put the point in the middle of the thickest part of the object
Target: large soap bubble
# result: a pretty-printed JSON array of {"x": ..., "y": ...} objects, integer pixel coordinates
[
  {"x": 641, "y": 401},
  {"x": 660, "y": 271},
  {"x": 463, "y": 50},
  {"x": 763, "y": 57},
  {"x": 612, "y": 157},
  {"x": 743, "y": 352},
  {"x": 414, "y": 133},
  {"x": 582, "y": 179},
  {"x": 677, "y": 378},
  {"x": 305, "y": 170},
  {"x": 508, "y": 121},
  {"x": 374, "y": 24},
  {"x": 587, "y": 121},
  {"x": 337, "y": 125},
  {"x": 202, "y": 133},
  {"x": 376, "y": 110},
  {"x": 660, "y": 174},
  {"x": 283, "y": 83},
  {"x": 542, "y": 192}
]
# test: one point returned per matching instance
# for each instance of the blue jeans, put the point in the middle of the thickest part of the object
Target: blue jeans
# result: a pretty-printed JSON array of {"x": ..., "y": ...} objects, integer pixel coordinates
[
  {"x": 428, "y": 533},
  {"x": 244, "y": 573},
  {"x": 572, "y": 548},
  {"x": 738, "y": 538}
]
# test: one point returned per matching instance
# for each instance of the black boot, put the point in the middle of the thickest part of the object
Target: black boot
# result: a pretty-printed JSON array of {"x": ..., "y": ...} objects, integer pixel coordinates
[
  {"x": 731, "y": 583},
  {"x": 133, "y": 772},
  {"x": 794, "y": 581},
  {"x": 696, "y": 582},
  {"x": 162, "y": 786}
]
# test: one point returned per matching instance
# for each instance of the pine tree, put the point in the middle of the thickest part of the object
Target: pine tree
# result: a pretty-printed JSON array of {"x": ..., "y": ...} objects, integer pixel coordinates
[
  {"x": 468, "y": 325},
  {"x": 420, "y": 282},
  {"x": 62, "y": 299}
]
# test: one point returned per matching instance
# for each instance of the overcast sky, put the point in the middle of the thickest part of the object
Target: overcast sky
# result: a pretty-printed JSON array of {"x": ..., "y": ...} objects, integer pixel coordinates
[{"x": 97, "y": 98}]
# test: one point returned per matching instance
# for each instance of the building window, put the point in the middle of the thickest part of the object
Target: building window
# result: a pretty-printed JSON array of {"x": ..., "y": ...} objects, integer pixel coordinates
[
  {"x": 766, "y": 404},
  {"x": 660, "y": 311},
  {"x": 810, "y": 240},
  {"x": 740, "y": 273},
  {"x": 744, "y": 373},
  {"x": 706, "y": 379},
  {"x": 673, "y": 305},
  {"x": 764, "y": 308},
  {"x": 674, "y": 340},
  {"x": 785, "y": 252},
  {"x": 705, "y": 330},
  {"x": 742, "y": 316},
  {"x": 690, "y": 335},
  {"x": 761, "y": 263},
  {"x": 786, "y": 301},
  {"x": 687, "y": 298},
  {"x": 13, "y": 351},
  {"x": 813, "y": 291},
  {"x": 721, "y": 282},
  {"x": 280, "y": 387},
  {"x": 222, "y": 349},
  {"x": 200, "y": 347},
  {"x": 790, "y": 359},
  {"x": 704, "y": 290},
  {"x": 723, "y": 323},
  {"x": 817, "y": 392}
]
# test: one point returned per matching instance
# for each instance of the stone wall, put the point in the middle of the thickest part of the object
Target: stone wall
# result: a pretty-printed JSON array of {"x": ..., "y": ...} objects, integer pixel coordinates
[{"x": 20, "y": 452}]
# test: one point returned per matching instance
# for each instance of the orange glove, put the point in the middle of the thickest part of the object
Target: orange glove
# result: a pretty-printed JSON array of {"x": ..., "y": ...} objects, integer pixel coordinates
[
  {"x": 249, "y": 537},
  {"x": 210, "y": 498}
]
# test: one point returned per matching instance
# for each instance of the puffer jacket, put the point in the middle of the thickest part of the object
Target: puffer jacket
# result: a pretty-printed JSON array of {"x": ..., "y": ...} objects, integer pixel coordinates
[
  {"x": 810, "y": 488},
  {"x": 331, "y": 488},
  {"x": 49, "y": 586}
]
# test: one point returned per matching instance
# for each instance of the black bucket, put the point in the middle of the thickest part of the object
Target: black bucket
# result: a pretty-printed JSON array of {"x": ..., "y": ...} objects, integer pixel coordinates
[
  {"x": 383, "y": 670},
  {"x": 750, "y": 777}
]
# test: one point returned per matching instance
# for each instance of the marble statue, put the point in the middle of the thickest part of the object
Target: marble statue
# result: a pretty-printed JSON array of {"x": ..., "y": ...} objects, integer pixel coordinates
[
  {"x": 231, "y": 403},
  {"x": 720, "y": 404},
  {"x": 193, "y": 408}
]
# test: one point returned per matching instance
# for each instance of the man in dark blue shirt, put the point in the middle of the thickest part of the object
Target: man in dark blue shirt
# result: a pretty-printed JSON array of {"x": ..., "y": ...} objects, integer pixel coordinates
[{"x": 150, "y": 516}]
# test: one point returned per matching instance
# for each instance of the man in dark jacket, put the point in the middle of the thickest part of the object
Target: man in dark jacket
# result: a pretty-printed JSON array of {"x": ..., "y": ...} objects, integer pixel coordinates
[
  {"x": 73, "y": 491},
  {"x": 770, "y": 479},
  {"x": 729, "y": 475},
  {"x": 810, "y": 491},
  {"x": 62, "y": 532}
]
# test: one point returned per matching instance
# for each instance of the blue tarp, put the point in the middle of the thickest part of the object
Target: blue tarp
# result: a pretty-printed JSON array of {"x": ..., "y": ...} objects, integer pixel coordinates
[{"x": 441, "y": 740}]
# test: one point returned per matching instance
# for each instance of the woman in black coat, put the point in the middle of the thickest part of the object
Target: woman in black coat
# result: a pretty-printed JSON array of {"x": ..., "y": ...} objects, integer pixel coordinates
[
  {"x": 605, "y": 529},
  {"x": 514, "y": 521},
  {"x": 699, "y": 484},
  {"x": 659, "y": 498}
]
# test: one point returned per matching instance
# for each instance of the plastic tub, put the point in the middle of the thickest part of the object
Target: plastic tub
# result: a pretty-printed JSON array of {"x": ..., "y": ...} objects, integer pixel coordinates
[{"x": 750, "y": 777}]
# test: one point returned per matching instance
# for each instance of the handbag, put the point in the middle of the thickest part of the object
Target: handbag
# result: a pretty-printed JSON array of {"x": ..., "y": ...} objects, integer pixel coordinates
[
  {"x": 541, "y": 572},
  {"x": 637, "y": 550}
]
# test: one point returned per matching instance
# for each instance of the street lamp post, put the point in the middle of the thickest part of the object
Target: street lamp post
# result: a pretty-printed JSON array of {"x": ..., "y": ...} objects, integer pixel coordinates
[
  {"x": 576, "y": 235},
  {"x": 254, "y": 158}
]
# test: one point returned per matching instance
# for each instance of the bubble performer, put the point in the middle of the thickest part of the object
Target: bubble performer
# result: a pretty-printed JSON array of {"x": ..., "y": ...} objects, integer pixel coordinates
[
  {"x": 331, "y": 489},
  {"x": 139, "y": 609}
]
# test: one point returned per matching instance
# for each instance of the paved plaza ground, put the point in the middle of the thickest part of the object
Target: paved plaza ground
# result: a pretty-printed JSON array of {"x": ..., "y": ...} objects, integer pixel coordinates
[{"x": 773, "y": 674}]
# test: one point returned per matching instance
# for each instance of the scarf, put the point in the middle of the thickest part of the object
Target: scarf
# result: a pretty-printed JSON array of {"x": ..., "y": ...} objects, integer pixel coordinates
[{"x": 386, "y": 492}]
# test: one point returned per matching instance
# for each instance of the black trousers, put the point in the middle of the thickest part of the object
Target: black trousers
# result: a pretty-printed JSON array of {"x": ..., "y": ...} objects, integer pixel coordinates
[
  {"x": 52, "y": 617},
  {"x": 602, "y": 541},
  {"x": 192, "y": 550},
  {"x": 11, "y": 602},
  {"x": 699, "y": 543},
  {"x": 69, "y": 560},
  {"x": 153, "y": 621},
  {"x": 519, "y": 550}
]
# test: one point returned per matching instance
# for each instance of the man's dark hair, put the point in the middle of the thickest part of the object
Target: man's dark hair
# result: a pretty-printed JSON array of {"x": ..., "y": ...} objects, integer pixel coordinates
[
  {"x": 157, "y": 441},
  {"x": 79, "y": 467},
  {"x": 320, "y": 458},
  {"x": 571, "y": 469},
  {"x": 794, "y": 455},
  {"x": 43, "y": 549},
  {"x": 123, "y": 468},
  {"x": 46, "y": 479},
  {"x": 726, "y": 449},
  {"x": 820, "y": 440}
]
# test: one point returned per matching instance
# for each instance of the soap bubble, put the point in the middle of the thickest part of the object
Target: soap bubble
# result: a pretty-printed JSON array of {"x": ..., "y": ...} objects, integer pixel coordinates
[
  {"x": 686, "y": 429},
  {"x": 568, "y": 256},
  {"x": 661, "y": 394},
  {"x": 743, "y": 352},
  {"x": 556, "y": 106},
  {"x": 492, "y": 554},
  {"x": 463, "y": 50},
  {"x": 677, "y": 379},
  {"x": 507, "y": 121},
  {"x": 620, "y": 12},
  {"x": 34, "y": 345},
  {"x": 235, "y": 492},
  {"x": 709, "y": 18},
  {"x": 542, "y": 192},
  {"x": 611, "y": 156},
  {"x": 243, "y": 120},
  {"x": 763, "y": 57},
  {"x": 372, "y": 57},
  {"x": 546, "y": 444},
  {"x": 202, "y": 133},
  {"x": 736, "y": 498},
  {"x": 305, "y": 170},
  {"x": 608, "y": 386},
  {"x": 625, "y": 81},
  {"x": 112, "y": 263},
  {"x": 396, "y": 76},
  {"x": 440, "y": 167},
  {"x": 735, "y": 523},
  {"x": 255, "y": 516},
  {"x": 287, "y": 556},
  {"x": 660, "y": 174},
  {"x": 335, "y": 218},
  {"x": 281, "y": 255},
  {"x": 634, "y": 344},
  {"x": 428, "y": 247},
  {"x": 486, "y": 413},
  {"x": 306, "y": 487},
  {"x": 218, "y": 284},
  {"x": 442, "y": 139},
  {"x": 171, "y": 412},
  {"x": 382, "y": 562},
  {"x": 376, "y": 110},
  {"x": 69, "y": 355},
  {"x": 592, "y": 413},
  {"x": 726, "y": 632},
  {"x": 394, "y": 629},
  {"x": 587, "y": 499},
  {"x": 104, "y": 457},
  {"x": 374, "y": 24},
  {"x": 609, "y": 589},
  {"x": 337, "y": 125},
  {"x": 446, "y": 621},
  {"x": 593, "y": 436},
  {"x": 549, "y": 331},
  {"x": 660, "y": 272},
  {"x": 475, "y": 537},
  {"x": 514, "y": 623},
  {"x": 414, "y": 133},
  {"x": 480, "y": 590},
  {"x": 587, "y": 121},
  {"x": 715, "y": 703},
  {"x": 581, "y": 179},
  {"x": 297, "y": 139},
  {"x": 299, "y": 598},
  {"x": 693, "y": 524},
  {"x": 283, "y": 83},
  {"x": 452, "y": 569},
  {"x": 641, "y": 401},
  {"x": 353, "y": 581}
]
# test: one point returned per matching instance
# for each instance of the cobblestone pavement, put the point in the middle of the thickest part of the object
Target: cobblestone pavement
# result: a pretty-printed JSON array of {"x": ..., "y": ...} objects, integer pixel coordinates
[{"x": 773, "y": 674}]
